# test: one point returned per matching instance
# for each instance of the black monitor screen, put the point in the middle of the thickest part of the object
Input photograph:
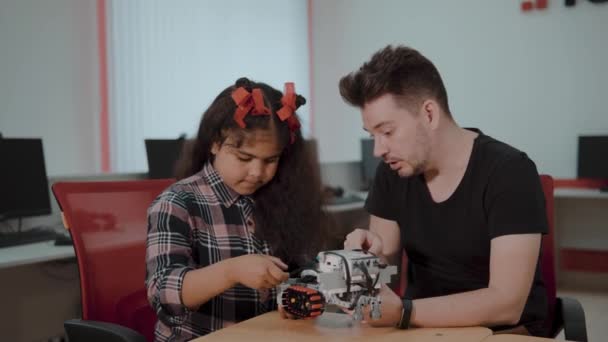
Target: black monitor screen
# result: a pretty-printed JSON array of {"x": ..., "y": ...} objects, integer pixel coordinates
[
  {"x": 593, "y": 157},
  {"x": 25, "y": 188},
  {"x": 369, "y": 163},
  {"x": 162, "y": 156}
]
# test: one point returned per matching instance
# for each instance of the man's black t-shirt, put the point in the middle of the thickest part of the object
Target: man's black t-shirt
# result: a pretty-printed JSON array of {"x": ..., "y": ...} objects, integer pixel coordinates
[{"x": 448, "y": 243}]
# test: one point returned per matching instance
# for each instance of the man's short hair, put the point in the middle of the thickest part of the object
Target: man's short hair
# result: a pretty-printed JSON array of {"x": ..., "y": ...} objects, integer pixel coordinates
[{"x": 401, "y": 71}]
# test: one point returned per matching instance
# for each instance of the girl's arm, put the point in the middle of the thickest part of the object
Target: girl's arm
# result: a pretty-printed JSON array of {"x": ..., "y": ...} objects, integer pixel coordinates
[
  {"x": 253, "y": 270},
  {"x": 175, "y": 282}
]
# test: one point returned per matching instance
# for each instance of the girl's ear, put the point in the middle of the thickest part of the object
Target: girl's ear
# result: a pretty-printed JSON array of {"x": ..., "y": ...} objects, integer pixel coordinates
[{"x": 215, "y": 148}]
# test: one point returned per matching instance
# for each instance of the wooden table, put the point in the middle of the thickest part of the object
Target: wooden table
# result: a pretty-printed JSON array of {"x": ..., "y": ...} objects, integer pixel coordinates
[
  {"x": 515, "y": 338},
  {"x": 335, "y": 327}
]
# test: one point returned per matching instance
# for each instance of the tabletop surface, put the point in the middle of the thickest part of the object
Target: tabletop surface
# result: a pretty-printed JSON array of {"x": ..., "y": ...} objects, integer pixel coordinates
[
  {"x": 516, "y": 338},
  {"x": 335, "y": 327}
]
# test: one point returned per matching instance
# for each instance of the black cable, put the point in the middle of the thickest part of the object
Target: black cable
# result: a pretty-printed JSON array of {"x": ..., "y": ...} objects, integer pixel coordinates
[
  {"x": 354, "y": 303},
  {"x": 376, "y": 282},
  {"x": 377, "y": 277},
  {"x": 380, "y": 266},
  {"x": 368, "y": 277}
]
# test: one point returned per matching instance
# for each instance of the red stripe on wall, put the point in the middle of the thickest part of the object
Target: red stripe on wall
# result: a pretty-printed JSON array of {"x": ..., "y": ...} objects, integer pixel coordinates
[
  {"x": 311, "y": 70},
  {"x": 573, "y": 259},
  {"x": 104, "y": 120}
]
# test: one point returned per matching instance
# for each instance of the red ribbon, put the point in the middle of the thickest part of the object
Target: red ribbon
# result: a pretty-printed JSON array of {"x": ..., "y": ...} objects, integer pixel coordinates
[
  {"x": 289, "y": 107},
  {"x": 247, "y": 102},
  {"x": 253, "y": 103}
]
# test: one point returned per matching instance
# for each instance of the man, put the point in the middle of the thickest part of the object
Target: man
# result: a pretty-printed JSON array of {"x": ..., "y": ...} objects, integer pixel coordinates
[{"x": 467, "y": 209}]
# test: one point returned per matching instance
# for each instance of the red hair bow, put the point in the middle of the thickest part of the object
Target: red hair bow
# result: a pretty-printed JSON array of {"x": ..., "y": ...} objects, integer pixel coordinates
[
  {"x": 247, "y": 102},
  {"x": 289, "y": 107}
]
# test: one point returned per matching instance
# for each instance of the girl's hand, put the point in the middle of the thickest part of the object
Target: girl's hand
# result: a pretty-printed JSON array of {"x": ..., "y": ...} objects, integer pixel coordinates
[
  {"x": 284, "y": 314},
  {"x": 258, "y": 271}
]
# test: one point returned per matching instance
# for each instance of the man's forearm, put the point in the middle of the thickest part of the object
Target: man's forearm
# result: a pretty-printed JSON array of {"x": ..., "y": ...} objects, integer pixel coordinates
[{"x": 483, "y": 307}]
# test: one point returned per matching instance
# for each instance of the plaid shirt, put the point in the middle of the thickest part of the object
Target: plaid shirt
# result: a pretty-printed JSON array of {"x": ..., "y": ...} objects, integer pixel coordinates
[{"x": 197, "y": 222}]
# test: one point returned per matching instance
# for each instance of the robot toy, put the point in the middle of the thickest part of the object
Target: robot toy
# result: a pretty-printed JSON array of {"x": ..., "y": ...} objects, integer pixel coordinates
[{"x": 347, "y": 278}]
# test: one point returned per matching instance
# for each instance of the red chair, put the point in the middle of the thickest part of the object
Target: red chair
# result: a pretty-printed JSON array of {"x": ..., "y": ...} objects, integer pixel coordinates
[
  {"x": 108, "y": 225},
  {"x": 564, "y": 313}
]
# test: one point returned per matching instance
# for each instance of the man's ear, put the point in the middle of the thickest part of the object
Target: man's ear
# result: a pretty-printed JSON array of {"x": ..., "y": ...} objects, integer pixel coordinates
[{"x": 431, "y": 113}]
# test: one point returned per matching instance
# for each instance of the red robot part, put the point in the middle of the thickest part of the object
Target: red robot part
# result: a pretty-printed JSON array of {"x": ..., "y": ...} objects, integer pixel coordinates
[{"x": 303, "y": 302}]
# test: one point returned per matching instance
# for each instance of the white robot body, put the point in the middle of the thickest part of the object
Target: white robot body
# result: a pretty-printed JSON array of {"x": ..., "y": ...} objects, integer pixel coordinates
[{"x": 347, "y": 278}]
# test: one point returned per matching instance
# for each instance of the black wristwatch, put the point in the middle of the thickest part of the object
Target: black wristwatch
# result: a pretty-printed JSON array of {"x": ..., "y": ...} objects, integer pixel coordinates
[{"x": 406, "y": 314}]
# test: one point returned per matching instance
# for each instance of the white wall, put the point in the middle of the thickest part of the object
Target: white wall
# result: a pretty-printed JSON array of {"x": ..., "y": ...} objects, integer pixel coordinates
[
  {"x": 168, "y": 60},
  {"x": 48, "y": 80},
  {"x": 535, "y": 80}
]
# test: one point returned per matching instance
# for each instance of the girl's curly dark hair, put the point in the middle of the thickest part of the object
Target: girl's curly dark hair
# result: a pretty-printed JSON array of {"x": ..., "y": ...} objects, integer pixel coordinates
[{"x": 288, "y": 209}]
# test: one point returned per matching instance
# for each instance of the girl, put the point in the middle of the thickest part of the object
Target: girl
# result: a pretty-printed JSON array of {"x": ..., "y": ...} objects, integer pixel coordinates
[{"x": 246, "y": 205}]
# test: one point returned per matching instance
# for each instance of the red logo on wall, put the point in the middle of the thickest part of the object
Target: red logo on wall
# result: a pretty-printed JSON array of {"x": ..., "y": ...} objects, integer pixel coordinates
[
  {"x": 536, "y": 4},
  {"x": 530, "y": 5}
]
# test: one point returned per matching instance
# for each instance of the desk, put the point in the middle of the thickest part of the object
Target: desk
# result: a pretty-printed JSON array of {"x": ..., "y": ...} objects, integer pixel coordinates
[
  {"x": 47, "y": 251},
  {"x": 34, "y": 253},
  {"x": 346, "y": 217},
  {"x": 335, "y": 327},
  {"x": 357, "y": 205},
  {"x": 581, "y": 231},
  {"x": 40, "y": 284},
  {"x": 336, "y": 208},
  {"x": 580, "y": 193}
]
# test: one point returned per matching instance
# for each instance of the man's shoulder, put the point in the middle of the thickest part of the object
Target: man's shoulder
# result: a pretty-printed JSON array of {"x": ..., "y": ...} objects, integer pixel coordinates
[
  {"x": 495, "y": 152},
  {"x": 496, "y": 161}
]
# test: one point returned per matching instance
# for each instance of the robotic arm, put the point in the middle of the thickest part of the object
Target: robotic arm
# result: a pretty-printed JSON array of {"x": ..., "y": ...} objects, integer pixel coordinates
[{"x": 347, "y": 278}]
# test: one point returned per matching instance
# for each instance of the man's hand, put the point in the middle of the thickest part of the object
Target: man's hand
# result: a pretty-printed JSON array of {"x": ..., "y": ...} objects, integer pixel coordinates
[
  {"x": 390, "y": 309},
  {"x": 364, "y": 239}
]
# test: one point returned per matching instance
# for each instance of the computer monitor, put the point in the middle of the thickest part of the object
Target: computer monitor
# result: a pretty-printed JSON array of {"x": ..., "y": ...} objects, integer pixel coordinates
[
  {"x": 369, "y": 162},
  {"x": 23, "y": 180},
  {"x": 593, "y": 157},
  {"x": 162, "y": 155}
]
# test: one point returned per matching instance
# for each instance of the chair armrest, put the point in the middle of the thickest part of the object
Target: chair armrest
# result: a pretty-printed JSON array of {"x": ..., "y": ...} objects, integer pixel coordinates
[
  {"x": 574, "y": 319},
  {"x": 79, "y": 330}
]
